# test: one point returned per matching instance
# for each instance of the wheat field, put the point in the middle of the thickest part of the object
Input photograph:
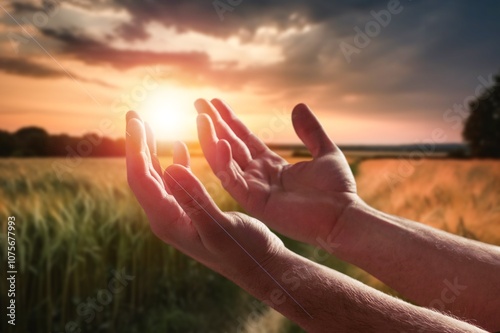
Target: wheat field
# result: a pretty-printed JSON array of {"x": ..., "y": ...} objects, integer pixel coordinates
[
  {"x": 74, "y": 233},
  {"x": 460, "y": 196}
]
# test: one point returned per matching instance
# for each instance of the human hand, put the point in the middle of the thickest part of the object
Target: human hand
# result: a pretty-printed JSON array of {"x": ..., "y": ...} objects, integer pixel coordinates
[
  {"x": 304, "y": 201},
  {"x": 181, "y": 212}
]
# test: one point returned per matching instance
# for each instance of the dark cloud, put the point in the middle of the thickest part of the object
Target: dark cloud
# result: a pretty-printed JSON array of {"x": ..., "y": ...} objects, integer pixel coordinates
[
  {"x": 25, "y": 67},
  {"x": 221, "y": 19},
  {"x": 435, "y": 49},
  {"x": 131, "y": 32},
  {"x": 30, "y": 7},
  {"x": 94, "y": 52},
  {"x": 442, "y": 36},
  {"x": 25, "y": 7}
]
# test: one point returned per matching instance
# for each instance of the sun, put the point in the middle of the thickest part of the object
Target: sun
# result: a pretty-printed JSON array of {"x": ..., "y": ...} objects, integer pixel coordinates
[{"x": 170, "y": 112}]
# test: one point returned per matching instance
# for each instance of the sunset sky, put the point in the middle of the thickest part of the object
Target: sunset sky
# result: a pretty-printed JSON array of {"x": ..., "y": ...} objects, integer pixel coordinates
[{"x": 77, "y": 66}]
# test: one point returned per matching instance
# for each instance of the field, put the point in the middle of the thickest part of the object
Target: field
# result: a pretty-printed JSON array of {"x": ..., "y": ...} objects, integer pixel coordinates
[
  {"x": 460, "y": 196},
  {"x": 75, "y": 235}
]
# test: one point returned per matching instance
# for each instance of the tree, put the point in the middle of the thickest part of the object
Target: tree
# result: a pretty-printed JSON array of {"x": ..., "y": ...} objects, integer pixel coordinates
[
  {"x": 482, "y": 128},
  {"x": 7, "y": 143},
  {"x": 57, "y": 145},
  {"x": 31, "y": 141}
]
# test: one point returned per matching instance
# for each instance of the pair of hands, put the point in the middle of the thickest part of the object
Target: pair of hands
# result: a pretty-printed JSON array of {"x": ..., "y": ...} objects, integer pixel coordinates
[{"x": 304, "y": 201}]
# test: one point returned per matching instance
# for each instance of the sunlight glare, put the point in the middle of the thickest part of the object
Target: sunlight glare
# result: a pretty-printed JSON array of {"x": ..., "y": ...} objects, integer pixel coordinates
[{"x": 171, "y": 114}]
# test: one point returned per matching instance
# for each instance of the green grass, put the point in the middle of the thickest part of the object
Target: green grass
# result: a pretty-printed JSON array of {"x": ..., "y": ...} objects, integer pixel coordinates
[
  {"x": 72, "y": 233},
  {"x": 71, "y": 236}
]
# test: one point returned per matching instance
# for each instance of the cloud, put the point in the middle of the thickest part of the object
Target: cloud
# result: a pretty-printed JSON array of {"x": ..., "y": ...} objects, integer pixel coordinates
[
  {"x": 95, "y": 52},
  {"x": 428, "y": 56},
  {"x": 243, "y": 19},
  {"x": 25, "y": 67},
  {"x": 25, "y": 7}
]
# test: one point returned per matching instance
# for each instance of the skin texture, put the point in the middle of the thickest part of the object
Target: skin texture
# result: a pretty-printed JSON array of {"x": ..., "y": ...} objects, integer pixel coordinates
[
  {"x": 182, "y": 214},
  {"x": 265, "y": 184},
  {"x": 430, "y": 267},
  {"x": 243, "y": 249}
]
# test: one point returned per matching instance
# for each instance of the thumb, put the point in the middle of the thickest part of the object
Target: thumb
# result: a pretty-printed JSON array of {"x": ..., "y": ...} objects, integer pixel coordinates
[
  {"x": 310, "y": 131},
  {"x": 193, "y": 198}
]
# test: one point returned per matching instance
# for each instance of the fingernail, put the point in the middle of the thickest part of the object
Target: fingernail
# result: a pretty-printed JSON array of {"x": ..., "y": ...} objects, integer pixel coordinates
[
  {"x": 201, "y": 105},
  {"x": 132, "y": 115}
]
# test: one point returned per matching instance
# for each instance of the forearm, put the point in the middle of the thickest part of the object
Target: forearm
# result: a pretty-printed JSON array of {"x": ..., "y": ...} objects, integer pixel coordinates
[
  {"x": 322, "y": 300},
  {"x": 428, "y": 266}
]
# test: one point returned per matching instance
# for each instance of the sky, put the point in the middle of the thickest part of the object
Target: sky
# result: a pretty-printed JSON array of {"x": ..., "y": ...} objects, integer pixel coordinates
[{"x": 374, "y": 72}]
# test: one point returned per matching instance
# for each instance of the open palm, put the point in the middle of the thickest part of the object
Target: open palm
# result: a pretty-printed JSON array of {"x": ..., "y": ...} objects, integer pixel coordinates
[
  {"x": 181, "y": 212},
  {"x": 302, "y": 200}
]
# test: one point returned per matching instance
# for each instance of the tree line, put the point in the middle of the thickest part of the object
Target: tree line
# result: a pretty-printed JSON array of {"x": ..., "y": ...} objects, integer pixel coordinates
[
  {"x": 35, "y": 141},
  {"x": 481, "y": 132}
]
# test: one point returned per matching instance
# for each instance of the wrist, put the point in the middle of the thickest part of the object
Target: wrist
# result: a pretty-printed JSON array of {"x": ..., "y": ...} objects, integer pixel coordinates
[
  {"x": 345, "y": 226},
  {"x": 257, "y": 251}
]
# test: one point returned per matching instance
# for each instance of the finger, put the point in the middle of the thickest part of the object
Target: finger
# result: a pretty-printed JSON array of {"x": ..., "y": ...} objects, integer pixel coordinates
[
  {"x": 173, "y": 227},
  {"x": 311, "y": 132},
  {"x": 181, "y": 154},
  {"x": 132, "y": 114},
  {"x": 224, "y": 155},
  {"x": 253, "y": 143},
  {"x": 196, "y": 202},
  {"x": 143, "y": 184},
  {"x": 155, "y": 162},
  {"x": 241, "y": 153},
  {"x": 229, "y": 172},
  {"x": 219, "y": 156},
  {"x": 208, "y": 139}
]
